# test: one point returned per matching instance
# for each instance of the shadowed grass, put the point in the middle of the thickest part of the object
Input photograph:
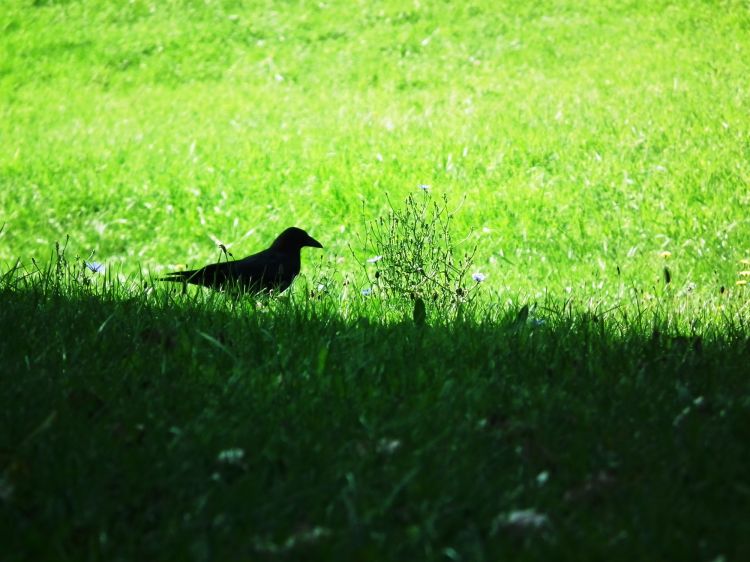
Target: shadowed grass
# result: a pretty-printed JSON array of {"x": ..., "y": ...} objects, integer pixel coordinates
[{"x": 166, "y": 426}]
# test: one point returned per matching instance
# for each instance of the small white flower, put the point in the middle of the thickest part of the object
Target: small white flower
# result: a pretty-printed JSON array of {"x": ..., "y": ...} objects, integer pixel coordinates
[
  {"x": 542, "y": 478},
  {"x": 366, "y": 292},
  {"x": 231, "y": 456},
  {"x": 478, "y": 277},
  {"x": 423, "y": 186},
  {"x": 527, "y": 518},
  {"x": 321, "y": 288},
  {"x": 520, "y": 522},
  {"x": 375, "y": 259},
  {"x": 95, "y": 266},
  {"x": 388, "y": 446}
]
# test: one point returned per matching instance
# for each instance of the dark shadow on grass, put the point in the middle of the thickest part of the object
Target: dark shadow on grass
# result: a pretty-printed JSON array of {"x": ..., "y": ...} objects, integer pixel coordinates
[{"x": 207, "y": 432}]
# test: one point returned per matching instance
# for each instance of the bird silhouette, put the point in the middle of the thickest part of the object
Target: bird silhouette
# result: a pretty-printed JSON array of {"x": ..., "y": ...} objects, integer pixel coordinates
[{"x": 273, "y": 269}]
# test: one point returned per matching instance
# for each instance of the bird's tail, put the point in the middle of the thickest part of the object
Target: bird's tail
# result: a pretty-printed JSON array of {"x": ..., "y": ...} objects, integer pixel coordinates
[{"x": 180, "y": 276}]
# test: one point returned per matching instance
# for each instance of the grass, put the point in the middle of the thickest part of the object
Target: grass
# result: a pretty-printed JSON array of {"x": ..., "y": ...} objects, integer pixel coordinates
[
  {"x": 585, "y": 145},
  {"x": 364, "y": 439},
  {"x": 584, "y": 136}
]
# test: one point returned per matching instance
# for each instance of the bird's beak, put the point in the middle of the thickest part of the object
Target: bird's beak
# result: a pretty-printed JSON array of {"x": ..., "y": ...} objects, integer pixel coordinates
[{"x": 313, "y": 243}]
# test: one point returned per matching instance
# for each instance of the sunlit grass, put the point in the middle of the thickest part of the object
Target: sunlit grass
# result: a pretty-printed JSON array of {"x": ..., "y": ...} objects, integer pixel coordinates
[{"x": 584, "y": 137}]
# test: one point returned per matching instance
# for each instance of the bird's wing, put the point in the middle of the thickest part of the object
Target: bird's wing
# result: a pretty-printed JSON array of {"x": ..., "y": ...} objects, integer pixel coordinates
[
  {"x": 264, "y": 269},
  {"x": 261, "y": 271}
]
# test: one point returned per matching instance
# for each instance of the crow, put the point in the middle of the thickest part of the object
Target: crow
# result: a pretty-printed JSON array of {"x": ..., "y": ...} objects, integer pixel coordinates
[{"x": 273, "y": 269}]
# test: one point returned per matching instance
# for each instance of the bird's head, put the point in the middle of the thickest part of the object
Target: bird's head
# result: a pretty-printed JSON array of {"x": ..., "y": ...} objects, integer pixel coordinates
[{"x": 294, "y": 238}]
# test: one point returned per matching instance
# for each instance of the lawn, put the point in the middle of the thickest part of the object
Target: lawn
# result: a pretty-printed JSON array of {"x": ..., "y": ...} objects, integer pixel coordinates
[{"x": 590, "y": 400}]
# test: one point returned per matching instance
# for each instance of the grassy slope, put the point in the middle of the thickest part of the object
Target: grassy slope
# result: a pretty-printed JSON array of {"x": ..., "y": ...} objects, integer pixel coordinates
[{"x": 584, "y": 137}]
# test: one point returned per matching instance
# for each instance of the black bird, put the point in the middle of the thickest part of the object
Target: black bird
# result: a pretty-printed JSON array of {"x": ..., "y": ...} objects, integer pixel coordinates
[{"x": 272, "y": 269}]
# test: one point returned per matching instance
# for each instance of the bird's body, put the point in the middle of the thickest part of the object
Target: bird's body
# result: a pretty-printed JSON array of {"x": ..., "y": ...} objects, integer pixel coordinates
[{"x": 273, "y": 269}]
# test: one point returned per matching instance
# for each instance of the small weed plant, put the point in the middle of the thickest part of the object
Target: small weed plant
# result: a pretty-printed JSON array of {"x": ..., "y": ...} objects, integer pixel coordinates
[{"x": 414, "y": 255}]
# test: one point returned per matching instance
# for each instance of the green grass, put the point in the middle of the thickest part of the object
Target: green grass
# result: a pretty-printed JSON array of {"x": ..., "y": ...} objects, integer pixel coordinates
[
  {"x": 580, "y": 142},
  {"x": 363, "y": 439}
]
